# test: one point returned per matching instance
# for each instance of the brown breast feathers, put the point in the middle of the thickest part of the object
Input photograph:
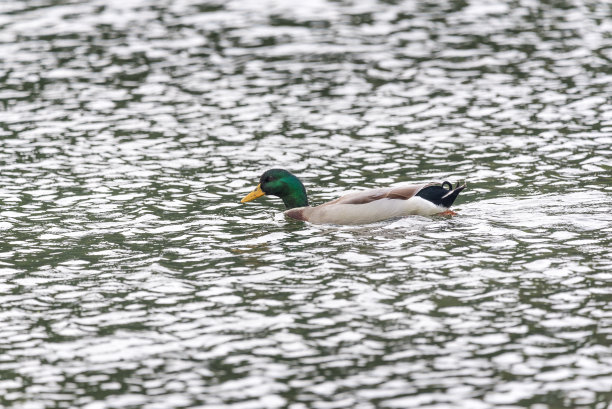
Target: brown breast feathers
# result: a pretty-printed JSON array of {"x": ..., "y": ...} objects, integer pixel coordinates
[{"x": 297, "y": 213}]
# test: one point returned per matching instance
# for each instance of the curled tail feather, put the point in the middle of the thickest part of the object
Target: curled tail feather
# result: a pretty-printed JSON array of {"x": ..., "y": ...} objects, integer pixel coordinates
[{"x": 440, "y": 196}]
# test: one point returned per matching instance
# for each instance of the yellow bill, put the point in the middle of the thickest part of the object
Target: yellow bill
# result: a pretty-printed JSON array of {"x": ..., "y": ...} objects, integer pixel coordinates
[{"x": 253, "y": 195}]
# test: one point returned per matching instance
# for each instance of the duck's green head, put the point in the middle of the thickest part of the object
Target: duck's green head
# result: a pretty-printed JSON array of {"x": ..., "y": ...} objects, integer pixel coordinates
[{"x": 281, "y": 183}]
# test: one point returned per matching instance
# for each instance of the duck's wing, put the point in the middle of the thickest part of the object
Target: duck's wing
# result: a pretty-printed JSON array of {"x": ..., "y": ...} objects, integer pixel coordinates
[
  {"x": 357, "y": 198},
  {"x": 404, "y": 192}
]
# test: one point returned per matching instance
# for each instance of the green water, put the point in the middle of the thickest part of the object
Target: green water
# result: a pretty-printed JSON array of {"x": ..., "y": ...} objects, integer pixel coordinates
[{"x": 132, "y": 277}]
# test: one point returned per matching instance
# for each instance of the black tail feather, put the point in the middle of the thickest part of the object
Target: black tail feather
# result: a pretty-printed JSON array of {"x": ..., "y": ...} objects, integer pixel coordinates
[{"x": 440, "y": 196}]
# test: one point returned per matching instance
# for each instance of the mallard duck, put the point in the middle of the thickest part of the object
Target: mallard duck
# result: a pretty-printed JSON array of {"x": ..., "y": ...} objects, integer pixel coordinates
[{"x": 367, "y": 206}]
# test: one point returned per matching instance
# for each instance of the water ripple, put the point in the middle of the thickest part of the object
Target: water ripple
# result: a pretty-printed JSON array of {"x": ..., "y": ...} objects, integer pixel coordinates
[{"x": 131, "y": 276}]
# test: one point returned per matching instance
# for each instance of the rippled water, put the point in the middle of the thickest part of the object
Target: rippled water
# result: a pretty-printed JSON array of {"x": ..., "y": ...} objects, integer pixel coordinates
[{"x": 132, "y": 277}]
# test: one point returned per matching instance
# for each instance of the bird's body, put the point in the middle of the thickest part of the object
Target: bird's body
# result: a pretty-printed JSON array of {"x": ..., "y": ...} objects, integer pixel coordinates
[
  {"x": 363, "y": 207},
  {"x": 367, "y": 207}
]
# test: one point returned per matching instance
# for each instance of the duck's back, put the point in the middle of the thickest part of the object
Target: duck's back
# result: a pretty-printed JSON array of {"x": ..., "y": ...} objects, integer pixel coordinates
[{"x": 404, "y": 192}]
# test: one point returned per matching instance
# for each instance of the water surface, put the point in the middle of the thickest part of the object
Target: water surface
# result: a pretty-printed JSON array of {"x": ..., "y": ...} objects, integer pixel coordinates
[{"x": 132, "y": 277}]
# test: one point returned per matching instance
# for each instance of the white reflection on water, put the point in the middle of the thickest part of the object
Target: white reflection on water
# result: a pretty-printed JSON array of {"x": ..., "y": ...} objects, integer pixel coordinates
[{"x": 131, "y": 276}]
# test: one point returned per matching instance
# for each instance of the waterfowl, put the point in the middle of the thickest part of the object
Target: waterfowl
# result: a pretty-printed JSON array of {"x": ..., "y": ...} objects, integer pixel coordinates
[{"x": 367, "y": 206}]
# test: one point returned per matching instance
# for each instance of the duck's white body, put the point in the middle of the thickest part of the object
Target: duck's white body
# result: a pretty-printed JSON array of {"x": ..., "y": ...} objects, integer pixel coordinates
[
  {"x": 368, "y": 212},
  {"x": 369, "y": 206}
]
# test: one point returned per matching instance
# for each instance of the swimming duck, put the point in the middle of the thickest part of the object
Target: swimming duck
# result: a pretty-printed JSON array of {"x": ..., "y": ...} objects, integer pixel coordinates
[{"x": 367, "y": 206}]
